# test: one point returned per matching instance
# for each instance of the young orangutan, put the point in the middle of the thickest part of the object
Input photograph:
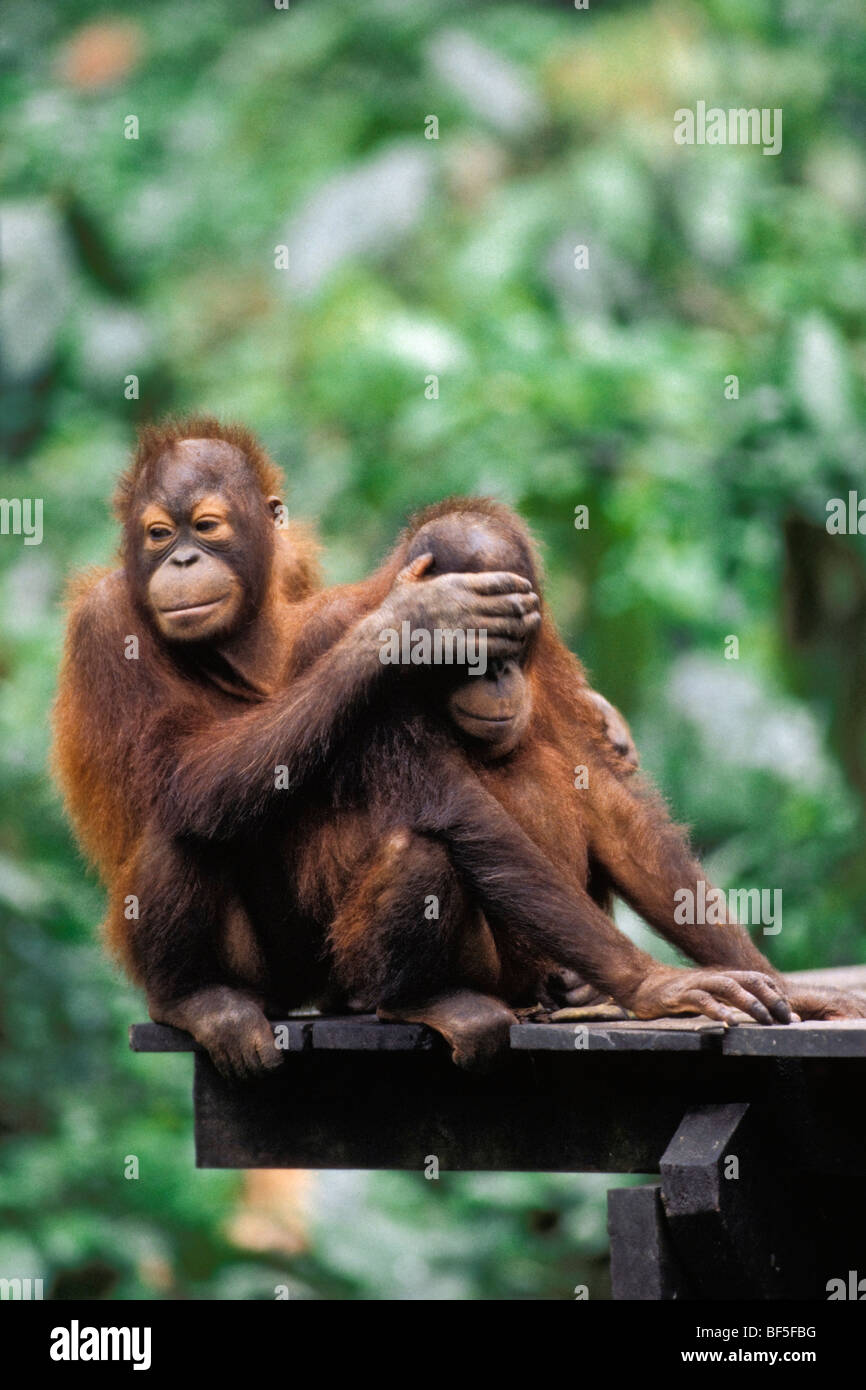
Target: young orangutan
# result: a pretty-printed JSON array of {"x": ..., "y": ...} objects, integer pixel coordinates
[
  {"x": 176, "y": 710},
  {"x": 173, "y": 709},
  {"x": 476, "y": 773}
]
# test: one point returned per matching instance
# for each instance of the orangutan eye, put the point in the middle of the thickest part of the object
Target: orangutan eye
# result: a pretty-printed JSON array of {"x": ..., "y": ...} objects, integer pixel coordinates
[
  {"x": 159, "y": 533},
  {"x": 207, "y": 523}
]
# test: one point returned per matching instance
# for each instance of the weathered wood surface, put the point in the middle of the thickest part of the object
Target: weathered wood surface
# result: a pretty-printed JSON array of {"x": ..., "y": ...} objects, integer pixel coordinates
[
  {"x": 679, "y": 1097},
  {"x": 731, "y": 1219},
  {"x": 361, "y": 1095},
  {"x": 364, "y": 1033},
  {"x": 644, "y": 1265}
]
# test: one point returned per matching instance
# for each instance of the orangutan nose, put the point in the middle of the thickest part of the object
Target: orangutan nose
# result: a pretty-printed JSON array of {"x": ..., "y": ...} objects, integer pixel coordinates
[{"x": 185, "y": 557}]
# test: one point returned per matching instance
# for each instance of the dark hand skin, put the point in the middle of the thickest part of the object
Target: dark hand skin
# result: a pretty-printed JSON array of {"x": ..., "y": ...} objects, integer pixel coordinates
[
  {"x": 502, "y": 604},
  {"x": 229, "y": 1024},
  {"x": 718, "y": 994},
  {"x": 475, "y": 1026},
  {"x": 669, "y": 990},
  {"x": 616, "y": 729}
]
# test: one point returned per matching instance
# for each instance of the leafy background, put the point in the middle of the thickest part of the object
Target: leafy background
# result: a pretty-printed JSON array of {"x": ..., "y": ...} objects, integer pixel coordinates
[{"x": 557, "y": 387}]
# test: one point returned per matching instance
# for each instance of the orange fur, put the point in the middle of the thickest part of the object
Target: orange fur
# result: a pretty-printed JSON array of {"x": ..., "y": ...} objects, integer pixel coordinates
[{"x": 104, "y": 700}]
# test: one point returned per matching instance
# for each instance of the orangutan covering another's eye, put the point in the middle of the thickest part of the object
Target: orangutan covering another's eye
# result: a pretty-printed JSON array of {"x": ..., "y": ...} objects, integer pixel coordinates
[
  {"x": 174, "y": 712},
  {"x": 229, "y": 741},
  {"x": 471, "y": 803}
]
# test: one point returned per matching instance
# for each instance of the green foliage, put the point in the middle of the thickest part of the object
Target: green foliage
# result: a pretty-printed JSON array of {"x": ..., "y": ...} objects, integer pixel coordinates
[{"x": 556, "y": 387}]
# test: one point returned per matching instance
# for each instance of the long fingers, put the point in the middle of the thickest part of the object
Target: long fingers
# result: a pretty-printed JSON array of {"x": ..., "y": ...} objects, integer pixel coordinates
[
  {"x": 749, "y": 991},
  {"x": 509, "y": 627},
  {"x": 768, "y": 991},
  {"x": 704, "y": 1003},
  {"x": 728, "y": 991},
  {"x": 506, "y": 605},
  {"x": 496, "y": 582}
]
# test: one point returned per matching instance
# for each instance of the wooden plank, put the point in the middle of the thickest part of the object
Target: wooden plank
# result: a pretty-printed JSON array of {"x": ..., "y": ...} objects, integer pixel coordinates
[
  {"x": 843, "y": 1038},
  {"x": 342, "y": 1031},
  {"x": 393, "y": 1110},
  {"x": 159, "y": 1037},
  {"x": 692, "y": 1162},
  {"x": 665, "y": 1035},
  {"x": 813, "y": 1039},
  {"x": 364, "y": 1033},
  {"x": 643, "y": 1263}
]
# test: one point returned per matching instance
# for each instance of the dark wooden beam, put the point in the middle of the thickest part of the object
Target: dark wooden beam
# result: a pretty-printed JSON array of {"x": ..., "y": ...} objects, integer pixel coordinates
[{"x": 644, "y": 1266}]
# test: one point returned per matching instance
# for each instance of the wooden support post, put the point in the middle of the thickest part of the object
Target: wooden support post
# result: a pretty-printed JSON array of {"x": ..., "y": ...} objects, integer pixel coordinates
[
  {"x": 742, "y": 1224},
  {"x": 643, "y": 1263},
  {"x": 761, "y": 1192}
]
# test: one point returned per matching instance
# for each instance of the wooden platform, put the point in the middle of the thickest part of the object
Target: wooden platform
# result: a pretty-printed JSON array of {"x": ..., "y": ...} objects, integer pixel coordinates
[
  {"x": 758, "y": 1133},
  {"x": 364, "y": 1033}
]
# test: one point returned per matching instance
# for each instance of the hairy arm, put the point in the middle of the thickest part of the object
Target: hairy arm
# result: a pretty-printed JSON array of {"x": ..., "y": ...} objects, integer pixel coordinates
[
  {"x": 545, "y": 917},
  {"x": 649, "y": 863},
  {"x": 648, "y": 860},
  {"x": 107, "y": 691},
  {"x": 517, "y": 887},
  {"x": 132, "y": 736},
  {"x": 218, "y": 778}
]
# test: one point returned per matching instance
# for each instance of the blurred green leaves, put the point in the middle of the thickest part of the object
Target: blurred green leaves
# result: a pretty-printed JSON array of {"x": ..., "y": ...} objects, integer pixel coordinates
[{"x": 556, "y": 387}]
